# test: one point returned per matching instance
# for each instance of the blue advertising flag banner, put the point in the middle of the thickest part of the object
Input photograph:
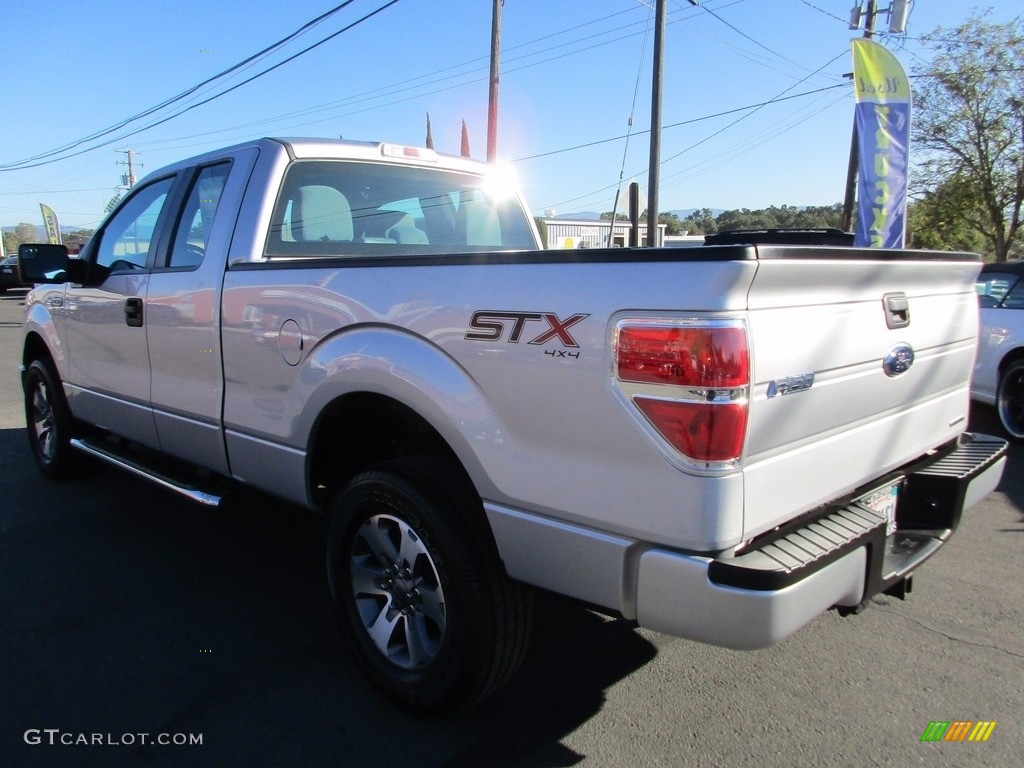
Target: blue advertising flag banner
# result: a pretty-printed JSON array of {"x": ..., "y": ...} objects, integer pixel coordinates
[{"x": 883, "y": 130}]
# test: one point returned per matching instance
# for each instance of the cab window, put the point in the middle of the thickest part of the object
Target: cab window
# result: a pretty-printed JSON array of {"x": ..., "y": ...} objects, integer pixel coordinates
[
  {"x": 196, "y": 222},
  {"x": 351, "y": 208},
  {"x": 128, "y": 237}
]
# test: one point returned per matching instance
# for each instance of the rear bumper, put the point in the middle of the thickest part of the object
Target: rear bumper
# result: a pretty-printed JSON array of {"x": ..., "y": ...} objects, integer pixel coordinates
[{"x": 840, "y": 556}]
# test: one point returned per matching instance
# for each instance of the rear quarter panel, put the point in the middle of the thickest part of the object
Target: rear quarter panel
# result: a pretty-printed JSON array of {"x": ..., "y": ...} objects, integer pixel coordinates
[{"x": 536, "y": 424}]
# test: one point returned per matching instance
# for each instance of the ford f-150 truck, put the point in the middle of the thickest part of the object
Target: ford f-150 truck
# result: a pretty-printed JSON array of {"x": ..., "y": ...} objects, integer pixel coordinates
[{"x": 719, "y": 442}]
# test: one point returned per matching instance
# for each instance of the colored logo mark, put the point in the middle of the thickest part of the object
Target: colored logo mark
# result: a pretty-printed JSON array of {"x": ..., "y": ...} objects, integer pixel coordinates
[{"x": 958, "y": 730}]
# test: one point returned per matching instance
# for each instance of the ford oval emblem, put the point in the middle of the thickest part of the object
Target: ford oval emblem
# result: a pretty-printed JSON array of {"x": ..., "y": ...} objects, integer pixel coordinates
[{"x": 899, "y": 360}]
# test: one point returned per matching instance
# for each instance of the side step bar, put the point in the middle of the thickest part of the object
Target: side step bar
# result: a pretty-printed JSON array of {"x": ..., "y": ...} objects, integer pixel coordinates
[{"x": 120, "y": 458}]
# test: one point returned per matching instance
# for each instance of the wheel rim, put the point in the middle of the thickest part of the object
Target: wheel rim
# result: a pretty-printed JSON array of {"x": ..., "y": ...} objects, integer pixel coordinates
[
  {"x": 43, "y": 422},
  {"x": 397, "y": 592},
  {"x": 1011, "y": 402}
]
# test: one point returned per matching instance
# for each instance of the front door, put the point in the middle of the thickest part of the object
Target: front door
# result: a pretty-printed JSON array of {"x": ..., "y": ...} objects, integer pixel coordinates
[{"x": 109, "y": 372}]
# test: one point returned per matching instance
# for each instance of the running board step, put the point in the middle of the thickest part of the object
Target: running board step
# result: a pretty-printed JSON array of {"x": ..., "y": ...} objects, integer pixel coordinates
[{"x": 124, "y": 459}]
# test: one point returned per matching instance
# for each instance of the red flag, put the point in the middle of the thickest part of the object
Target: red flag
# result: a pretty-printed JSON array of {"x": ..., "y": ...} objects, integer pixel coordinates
[
  {"x": 430, "y": 139},
  {"x": 465, "y": 140}
]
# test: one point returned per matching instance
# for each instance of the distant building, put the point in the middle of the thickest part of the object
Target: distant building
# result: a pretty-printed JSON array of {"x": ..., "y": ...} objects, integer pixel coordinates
[
  {"x": 683, "y": 241},
  {"x": 593, "y": 233}
]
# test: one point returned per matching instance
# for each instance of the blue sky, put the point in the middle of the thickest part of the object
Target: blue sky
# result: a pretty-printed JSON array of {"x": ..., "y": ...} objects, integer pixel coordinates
[{"x": 570, "y": 69}]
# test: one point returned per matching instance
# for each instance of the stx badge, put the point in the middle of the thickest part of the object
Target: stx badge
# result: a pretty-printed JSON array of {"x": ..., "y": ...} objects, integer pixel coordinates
[{"x": 490, "y": 325}]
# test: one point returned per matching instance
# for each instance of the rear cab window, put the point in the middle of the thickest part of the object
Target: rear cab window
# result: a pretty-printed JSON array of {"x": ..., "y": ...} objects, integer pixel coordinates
[{"x": 358, "y": 208}]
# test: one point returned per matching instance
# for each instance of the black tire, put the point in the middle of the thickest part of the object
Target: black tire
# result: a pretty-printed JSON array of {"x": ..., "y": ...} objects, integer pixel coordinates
[
  {"x": 1010, "y": 399},
  {"x": 48, "y": 419},
  {"x": 408, "y": 546}
]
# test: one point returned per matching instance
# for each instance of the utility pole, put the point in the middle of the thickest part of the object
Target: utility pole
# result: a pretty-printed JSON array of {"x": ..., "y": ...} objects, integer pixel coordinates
[
  {"x": 492, "y": 101},
  {"x": 849, "y": 199},
  {"x": 654, "y": 170},
  {"x": 128, "y": 179}
]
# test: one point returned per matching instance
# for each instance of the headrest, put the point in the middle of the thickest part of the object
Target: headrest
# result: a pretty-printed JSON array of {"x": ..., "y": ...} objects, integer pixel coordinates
[{"x": 321, "y": 214}]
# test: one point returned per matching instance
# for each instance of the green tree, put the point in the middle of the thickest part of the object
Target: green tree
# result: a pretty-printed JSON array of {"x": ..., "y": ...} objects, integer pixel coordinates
[
  {"x": 23, "y": 233},
  {"x": 26, "y": 233},
  {"x": 820, "y": 216},
  {"x": 947, "y": 219},
  {"x": 745, "y": 218},
  {"x": 700, "y": 222},
  {"x": 673, "y": 224},
  {"x": 542, "y": 230},
  {"x": 10, "y": 243},
  {"x": 969, "y": 124}
]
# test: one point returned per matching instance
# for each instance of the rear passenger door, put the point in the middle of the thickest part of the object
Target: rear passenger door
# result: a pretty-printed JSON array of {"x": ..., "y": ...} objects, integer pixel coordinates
[{"x": 183, "y": 309}]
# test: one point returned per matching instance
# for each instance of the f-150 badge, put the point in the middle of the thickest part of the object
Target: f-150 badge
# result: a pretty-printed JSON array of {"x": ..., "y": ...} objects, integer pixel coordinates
[
  {"x": 790, "y": 384},
  {"x": 491, "y": 325}
]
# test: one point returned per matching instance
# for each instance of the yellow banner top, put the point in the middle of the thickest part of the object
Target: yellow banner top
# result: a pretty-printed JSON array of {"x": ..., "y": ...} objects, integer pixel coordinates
[{"x": 878, "y": 75}]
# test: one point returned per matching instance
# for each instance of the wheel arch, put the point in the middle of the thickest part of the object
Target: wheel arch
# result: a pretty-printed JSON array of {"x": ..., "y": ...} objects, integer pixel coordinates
[
  {"x": 41, "y": 337},
  {"x": 390, "y": 432},
  {"x": 1009, "y": 358},
  {"x": 374, "y": 428},
  {"x": 34, "y": 348}
]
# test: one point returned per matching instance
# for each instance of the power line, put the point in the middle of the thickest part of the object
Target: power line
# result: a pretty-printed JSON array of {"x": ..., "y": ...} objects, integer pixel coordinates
[
  {"x": 629, "y": 127},
  {"x": 193, "y": 89},
  {"x": 758, "y": 43},
  {"x": 27, "y": 164},
  {"x": 759, "y": 107},
  {"x": 394, "y": 88},
  {"x": 827, "y": 13},
  {"x": 681, "y": 123},
  {"x": 752, "y": 107},
  {"x": 368, "y": 96}
]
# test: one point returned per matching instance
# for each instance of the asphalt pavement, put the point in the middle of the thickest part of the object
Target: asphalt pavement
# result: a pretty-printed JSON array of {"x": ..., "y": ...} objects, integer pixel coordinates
[{"x": 130, "y": 617}]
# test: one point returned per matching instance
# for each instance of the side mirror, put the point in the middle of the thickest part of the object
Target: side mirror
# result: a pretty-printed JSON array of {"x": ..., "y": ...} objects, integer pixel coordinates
[{"x": 43, "y": 263}]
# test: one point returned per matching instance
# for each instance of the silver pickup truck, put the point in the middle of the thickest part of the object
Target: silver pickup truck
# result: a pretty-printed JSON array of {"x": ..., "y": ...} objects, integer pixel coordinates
[{"x": 719, "y": 442}]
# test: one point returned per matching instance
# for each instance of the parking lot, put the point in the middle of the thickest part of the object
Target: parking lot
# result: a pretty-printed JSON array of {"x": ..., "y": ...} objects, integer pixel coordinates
[{"x": 125, "y": 610}]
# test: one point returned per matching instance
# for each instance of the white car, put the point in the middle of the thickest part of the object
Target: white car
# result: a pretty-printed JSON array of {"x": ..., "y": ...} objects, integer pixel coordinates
[{"x": 999, "y": 368}]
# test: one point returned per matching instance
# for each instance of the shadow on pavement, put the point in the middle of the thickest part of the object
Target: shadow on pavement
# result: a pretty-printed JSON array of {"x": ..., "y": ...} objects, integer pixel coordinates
[{"x": 129, "y": 611}]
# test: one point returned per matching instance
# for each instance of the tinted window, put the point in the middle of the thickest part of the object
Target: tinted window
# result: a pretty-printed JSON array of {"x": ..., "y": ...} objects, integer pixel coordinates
[
  {"x": 1014, "y": 298},
  {"x": 196, "y": 222},
  {"x": 353, "y": 208},
  {"x": 127, "y": 238}
]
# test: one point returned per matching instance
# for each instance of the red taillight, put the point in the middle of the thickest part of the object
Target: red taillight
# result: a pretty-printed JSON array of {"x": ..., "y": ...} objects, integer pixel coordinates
[
  {"x": 690, "y": 382},
  {"x": 702, "y": 431},
  {"x": 683, "y": 356}
]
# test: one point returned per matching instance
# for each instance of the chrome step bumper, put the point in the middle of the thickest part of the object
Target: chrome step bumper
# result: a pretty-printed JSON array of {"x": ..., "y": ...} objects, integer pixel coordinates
[
  {"x": 931, "y": 502},
  {"x": 840, "y": 557}
]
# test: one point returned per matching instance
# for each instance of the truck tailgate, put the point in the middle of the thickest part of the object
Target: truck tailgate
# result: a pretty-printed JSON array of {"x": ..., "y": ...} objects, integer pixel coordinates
[{"x": 858, "y": 366}]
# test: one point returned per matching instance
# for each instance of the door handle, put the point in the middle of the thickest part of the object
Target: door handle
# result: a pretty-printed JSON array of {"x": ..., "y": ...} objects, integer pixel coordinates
[{"x": 133, "y": 312}]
